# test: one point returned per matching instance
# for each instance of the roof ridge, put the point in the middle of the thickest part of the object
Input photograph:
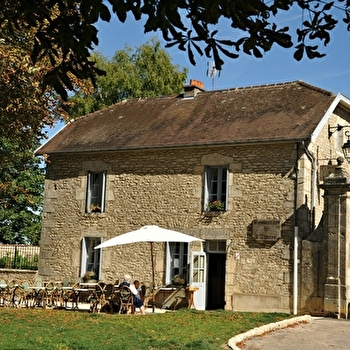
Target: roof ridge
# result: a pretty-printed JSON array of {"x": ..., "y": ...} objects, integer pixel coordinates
[
  {"x": 262, "y": 86},
  {"x": 313, "y": 87}
]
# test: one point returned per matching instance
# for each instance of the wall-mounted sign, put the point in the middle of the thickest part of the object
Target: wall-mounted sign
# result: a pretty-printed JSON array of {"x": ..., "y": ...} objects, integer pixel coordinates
[{"x": 267, "y": 230}]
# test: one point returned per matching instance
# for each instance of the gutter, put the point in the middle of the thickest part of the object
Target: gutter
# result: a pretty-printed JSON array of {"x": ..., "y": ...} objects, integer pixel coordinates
[
  {"x": 296, "y": 235},
  {"x": 173, "y": 146}
]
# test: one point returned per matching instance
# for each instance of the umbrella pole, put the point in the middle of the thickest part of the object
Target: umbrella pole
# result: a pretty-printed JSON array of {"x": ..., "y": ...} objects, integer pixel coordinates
[{"x": 152, "y": 259}]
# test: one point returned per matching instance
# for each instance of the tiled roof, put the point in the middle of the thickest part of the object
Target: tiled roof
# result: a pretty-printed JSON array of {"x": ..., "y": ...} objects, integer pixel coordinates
[{"x": 288, "y": 111}]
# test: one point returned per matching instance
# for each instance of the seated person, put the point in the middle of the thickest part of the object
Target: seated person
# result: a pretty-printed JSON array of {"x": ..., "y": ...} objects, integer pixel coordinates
[
  {"x": 141, "y": 289},
  {"x": 136, "y": 295}
]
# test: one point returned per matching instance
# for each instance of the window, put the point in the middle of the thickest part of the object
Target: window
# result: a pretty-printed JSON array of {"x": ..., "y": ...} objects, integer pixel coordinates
[
  {"x": 96, "y": 188},
  {"x": 214, "y": 246},
  {"x": 216, "y": 188},
  {"x": 90, "y": 257},
  {"x": 177, "y": 261}
]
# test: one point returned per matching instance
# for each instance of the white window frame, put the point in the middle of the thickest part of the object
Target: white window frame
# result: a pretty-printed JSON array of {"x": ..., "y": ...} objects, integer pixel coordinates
[
  {"x": 96, "y": 191},
  {"x": 220, "y": 193}
]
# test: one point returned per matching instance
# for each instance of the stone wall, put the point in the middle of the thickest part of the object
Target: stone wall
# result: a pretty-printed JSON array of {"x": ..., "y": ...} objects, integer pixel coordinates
[
  {"x": 312, "y": 252},
  {"x": 17, "y": 275}
]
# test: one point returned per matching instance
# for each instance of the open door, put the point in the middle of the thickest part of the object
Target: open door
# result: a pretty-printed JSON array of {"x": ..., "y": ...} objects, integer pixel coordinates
[{"x": 198, "y": 278}]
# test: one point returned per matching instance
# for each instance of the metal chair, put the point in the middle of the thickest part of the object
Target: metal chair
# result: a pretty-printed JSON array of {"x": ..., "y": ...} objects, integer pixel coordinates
[{"x": 126, "y": 300}]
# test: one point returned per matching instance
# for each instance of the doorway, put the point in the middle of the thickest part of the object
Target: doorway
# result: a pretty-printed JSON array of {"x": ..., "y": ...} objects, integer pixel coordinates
[{"x": 216, "y": 281}]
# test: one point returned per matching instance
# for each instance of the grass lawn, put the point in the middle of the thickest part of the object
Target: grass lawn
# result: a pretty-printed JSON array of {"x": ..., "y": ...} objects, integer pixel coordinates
[{"x": 76, "y": 330}]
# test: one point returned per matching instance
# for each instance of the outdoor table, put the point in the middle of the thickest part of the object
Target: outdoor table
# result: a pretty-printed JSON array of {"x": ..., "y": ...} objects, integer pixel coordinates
[
  {"x": 88, "y": 285},
  {"x": 191, "y": 291},
  {"x": 76, "y": 291}
]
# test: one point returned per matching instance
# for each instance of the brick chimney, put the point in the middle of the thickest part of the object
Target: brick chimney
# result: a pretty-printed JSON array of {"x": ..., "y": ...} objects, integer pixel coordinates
[{"x": 193, "y": 88}]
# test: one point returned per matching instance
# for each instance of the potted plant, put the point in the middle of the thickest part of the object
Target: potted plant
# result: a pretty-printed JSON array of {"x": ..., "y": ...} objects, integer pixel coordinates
[
  {"x": 90, "y": 277},
  {"x": 95, "y": 208},
  {"x": 216, "y": 205}
]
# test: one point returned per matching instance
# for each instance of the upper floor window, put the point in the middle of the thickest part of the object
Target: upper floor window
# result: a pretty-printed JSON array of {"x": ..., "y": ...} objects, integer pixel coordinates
[
  {"x": 216, "y": 188},
  {"x": 96, "y": 188}
]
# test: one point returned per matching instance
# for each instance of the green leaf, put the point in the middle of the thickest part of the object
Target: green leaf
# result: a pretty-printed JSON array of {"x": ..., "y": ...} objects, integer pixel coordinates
[{"x": 298, "y": 54}]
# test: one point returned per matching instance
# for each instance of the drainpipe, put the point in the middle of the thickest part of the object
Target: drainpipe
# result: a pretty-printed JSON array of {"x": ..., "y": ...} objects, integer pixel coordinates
[
  {"x": 295, "y": 255},
  {"x": 295, "y": 272},
  {"x": 338, "y": 263}
]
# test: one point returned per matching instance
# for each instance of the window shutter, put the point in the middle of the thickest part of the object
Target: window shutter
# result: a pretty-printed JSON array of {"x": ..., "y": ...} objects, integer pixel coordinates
[
  {"x": 103, "y": 191},
  {"x": 226, "y": 189},
  {"x": 88, "y": 192},
  {"x": 206, "y": 188},
  {"x": 168, "y": 264},
  {"x": 83, "y": 257}
]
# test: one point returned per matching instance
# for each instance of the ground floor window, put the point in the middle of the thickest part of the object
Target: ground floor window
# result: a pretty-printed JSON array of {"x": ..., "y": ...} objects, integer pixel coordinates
[
  {"x": 90, "y": 257},
  {"x": 177, "y": 262}
]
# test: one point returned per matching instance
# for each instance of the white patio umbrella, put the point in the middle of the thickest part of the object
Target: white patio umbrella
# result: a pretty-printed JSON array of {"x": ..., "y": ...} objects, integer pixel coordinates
[{"x": 151, "y": 234}]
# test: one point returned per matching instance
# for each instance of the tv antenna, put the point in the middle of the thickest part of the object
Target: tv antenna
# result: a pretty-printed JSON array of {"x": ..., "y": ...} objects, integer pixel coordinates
[{"x": 212, "y": 72}]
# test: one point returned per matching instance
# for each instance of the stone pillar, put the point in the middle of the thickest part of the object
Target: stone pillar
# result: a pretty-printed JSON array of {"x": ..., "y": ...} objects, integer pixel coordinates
[{"x": 337, "y": 239}]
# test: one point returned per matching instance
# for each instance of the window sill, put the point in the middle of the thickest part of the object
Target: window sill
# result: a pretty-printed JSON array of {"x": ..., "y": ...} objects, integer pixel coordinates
[
  {"x": 213, "y": 213},
  {"x": 98, "y": 214}
]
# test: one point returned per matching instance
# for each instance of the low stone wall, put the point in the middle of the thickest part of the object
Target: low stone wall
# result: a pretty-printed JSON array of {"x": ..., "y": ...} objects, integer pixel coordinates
[{"x": 17, "y": 275}]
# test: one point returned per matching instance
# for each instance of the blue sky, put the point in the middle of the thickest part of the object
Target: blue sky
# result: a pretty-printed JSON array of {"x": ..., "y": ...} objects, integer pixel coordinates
[{"x": 331, "y": 73}]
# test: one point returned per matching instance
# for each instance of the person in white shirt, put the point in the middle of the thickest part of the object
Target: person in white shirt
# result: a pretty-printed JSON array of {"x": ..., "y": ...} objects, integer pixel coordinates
[{"x": 138, "y": 303}]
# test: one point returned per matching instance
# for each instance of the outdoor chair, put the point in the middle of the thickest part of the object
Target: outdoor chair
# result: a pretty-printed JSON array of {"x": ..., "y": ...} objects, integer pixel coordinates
[
  {"x": 65, "y": 282},
  {"x": 14, "y": 293},
  {"x": 51, "y": 295},
  {"x": 26, "y": 294},
  {"x": 97, "y": 297},
  {"x": 148, "y": 296},
  {"x": 66, "y": 292},
  {"x": 5, "y": 296},
  {"x": 38, "y": 293},
  {"x": 126, "y": 300},
  {"x": 110, "y": 302},
  {"x": 17, "y": 294}
]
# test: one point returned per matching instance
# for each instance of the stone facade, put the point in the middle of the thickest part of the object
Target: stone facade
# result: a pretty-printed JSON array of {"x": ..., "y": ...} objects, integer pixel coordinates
[{"x": 166, "y": 188}]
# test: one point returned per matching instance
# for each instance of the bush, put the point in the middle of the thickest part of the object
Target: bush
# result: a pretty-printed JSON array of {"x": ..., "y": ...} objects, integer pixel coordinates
[{"x": 20, "y": 262}]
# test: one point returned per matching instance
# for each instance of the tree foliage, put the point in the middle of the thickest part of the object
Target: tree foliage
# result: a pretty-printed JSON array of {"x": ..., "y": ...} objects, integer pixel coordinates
[
  {"x": 21, "y": 193},
  {"x": 65, "y": 30},
  {"x": 146, "y": 71},
  {"x": 24, "y": 111}
]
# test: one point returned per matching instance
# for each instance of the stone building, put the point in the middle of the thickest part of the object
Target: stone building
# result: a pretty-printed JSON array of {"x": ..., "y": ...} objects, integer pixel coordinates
[{"x": 239, "y": 168}]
